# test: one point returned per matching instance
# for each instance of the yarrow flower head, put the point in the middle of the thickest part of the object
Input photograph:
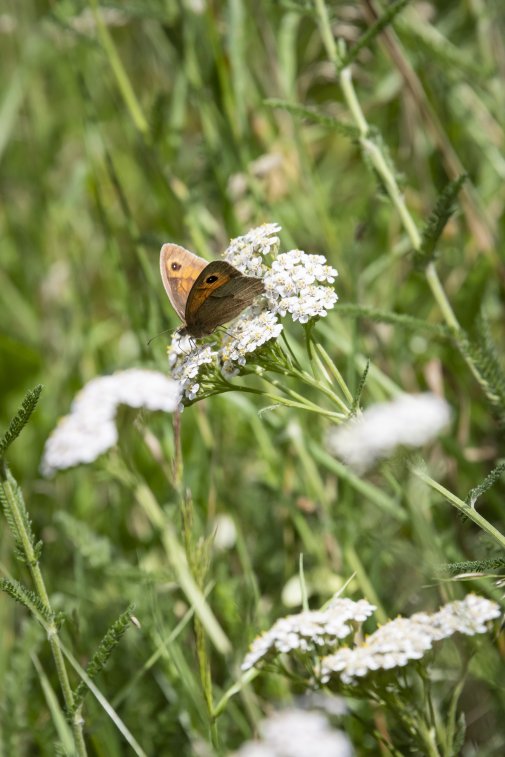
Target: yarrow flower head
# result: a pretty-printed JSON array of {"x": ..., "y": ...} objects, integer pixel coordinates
[
  {"x": 403, "y": 640},
  {"x": 90, "y": 429},
  {"x": 295, "y": 283},
  {"x": 297, "y": 733},
  {"x": 395, "y": 644},
  {"x": 410, "y": 420},
  {"x": 244, "y": 337},
  {"x": 309, "y": 630},
  {"x": 187, "y": 358},
  {"x": 246, "y": 252}
]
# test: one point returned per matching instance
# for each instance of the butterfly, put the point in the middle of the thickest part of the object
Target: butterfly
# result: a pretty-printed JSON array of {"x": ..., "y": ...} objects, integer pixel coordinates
[{"x": 204, "y": 295}]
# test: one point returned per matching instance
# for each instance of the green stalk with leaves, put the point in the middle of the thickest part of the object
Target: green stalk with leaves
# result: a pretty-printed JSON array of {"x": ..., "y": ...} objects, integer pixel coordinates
[{"x": 29, "y": 551}]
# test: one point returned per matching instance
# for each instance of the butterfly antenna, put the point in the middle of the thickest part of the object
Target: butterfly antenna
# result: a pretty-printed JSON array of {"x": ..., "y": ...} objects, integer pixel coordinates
[{"x": 167, "y": 331}]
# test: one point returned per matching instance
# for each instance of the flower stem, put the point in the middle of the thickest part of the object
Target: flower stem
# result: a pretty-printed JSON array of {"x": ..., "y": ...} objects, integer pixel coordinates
[
  {"x": 462, "y": 506},
  {"x": 336, "y": 373},
  {"x": 119, "y": 72},
  {"x": 441, "y": 297},
  {"x": 16, "y": 508}
]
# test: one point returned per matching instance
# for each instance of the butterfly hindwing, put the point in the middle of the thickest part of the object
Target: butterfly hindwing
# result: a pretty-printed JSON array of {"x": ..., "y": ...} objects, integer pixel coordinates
[{"x": 219, "y": 294}]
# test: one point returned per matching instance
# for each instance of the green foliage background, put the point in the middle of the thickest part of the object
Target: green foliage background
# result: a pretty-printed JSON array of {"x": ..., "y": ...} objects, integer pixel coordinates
[{"x": 100, "y": 166}]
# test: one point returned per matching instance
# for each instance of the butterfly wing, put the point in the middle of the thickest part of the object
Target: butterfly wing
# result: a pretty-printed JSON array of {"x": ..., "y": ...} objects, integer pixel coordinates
[
  {"x": 179, "y": 272},
  {"x": 219, "y": 294}
]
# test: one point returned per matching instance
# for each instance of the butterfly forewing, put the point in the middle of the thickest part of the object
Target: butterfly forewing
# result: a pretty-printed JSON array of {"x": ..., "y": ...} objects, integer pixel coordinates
[
  {"x": 179, "y": 271},
  {"x": 204, "y": 295},
  {"x": 219, "y": 294}
]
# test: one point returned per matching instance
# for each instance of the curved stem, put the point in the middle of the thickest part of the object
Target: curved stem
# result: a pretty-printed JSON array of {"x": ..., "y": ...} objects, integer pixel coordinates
[
  {"x": 462, "y": 506},
  {"x": 16, "y": 510}
]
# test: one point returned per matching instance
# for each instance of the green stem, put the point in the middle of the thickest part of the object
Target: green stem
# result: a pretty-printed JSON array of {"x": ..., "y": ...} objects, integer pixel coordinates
[
  {"x": 379, "y": 163},
  {"x": 365, "y": 584},
  {"x": 303, "y": 402},
  {"x": 336, "y": 373},
  {"x": 304, "y": 376},
  {"x": 51, "y": 627},
  {"x": 441, "y": 297},
  {"x": 428, "y": 737},
  {"x": 119, "y": 72},
  {"x": 462, "y": 506},
  {"x": 249, "y": 676},
  {"x": 326, "y": 32},
  {"x": 177, "y": 557},
  {"x": 353, "y": 102}
]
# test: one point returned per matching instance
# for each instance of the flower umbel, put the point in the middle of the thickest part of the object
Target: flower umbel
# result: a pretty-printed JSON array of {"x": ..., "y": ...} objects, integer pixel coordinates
[
  {"x": 410, "y": 420},
  {"x": 402, "y": 640},
  {"x": 295, "y": 283},
  {"x": 90, "y": 429},
  {"x": 246, "y": 252},
  {"x": 297, "y": 733},
  {"x": 394, "y": 644},
  {"x": 188, "y": 360},
  {"x": 309, "y": 630},
  {"x": 245, "y": 336}
]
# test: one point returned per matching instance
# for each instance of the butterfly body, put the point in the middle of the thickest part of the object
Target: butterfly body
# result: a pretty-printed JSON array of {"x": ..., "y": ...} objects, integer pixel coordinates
[{"x": 204, "y": 295}]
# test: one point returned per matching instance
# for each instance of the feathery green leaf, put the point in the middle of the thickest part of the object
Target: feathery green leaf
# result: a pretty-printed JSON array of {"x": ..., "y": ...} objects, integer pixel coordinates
[
  {"x": 9, "y": 491},
  {"x": 104, "y": 651},
  {"x": 491, "y": 478},
  {"x": 361, "y": 386},
  {"x": 371, "y": 33},
  {"x": 482, "y": 353},
  {"x": 28, "y": 598},
  {"x": 20, "y": 419},
  {"x": 443, "y": 210},
  {"x": 472, "y": 566},
  {"x": 302, "y": 111}
]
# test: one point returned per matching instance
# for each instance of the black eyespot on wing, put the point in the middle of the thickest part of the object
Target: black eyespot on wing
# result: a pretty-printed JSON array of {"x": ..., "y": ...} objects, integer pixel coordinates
[
  {"x": 211, "y": 279},
  {"x": 175, "y": 266}
]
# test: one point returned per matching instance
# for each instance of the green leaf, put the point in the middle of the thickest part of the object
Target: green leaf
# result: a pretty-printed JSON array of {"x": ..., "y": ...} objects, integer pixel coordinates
[
  {"x": 482, "y": 353},
  {"x": 472, "y": 566},
  {"x": 364, "y": 41},
  {"x": 361, "y": 386},
  {"x": 20, "y": 419},
  {"x": 302, "y": 111},
  {"x": 443, "y": 210},
  {"x": 491, "y": 478},
  {"x": 11, "y": 499},
  {"x": 28, "y": 599},
  {"x": 102, "y": 654}
]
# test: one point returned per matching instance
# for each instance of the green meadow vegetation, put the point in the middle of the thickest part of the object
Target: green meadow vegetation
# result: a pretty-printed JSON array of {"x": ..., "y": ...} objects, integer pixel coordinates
[{"x": 132, "y": 586}]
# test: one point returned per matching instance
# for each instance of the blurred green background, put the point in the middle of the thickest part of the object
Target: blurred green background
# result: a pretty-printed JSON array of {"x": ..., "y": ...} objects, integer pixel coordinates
[{"x": 152, "y": 126}]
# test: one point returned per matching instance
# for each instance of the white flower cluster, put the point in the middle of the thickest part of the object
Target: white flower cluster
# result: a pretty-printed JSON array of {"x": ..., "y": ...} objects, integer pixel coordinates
[
  {"x": 90, "y": 429},
  {"x": 186, "y": 359},
  {"x": 467, "y": 616},
  {"x": 309, "y": 630},
  {"x": 410, "y": 420},
  {"x": 246, "y": 252},
  {"x": 244, "y": 336},
  {"x": 402, "y": 640},
  {"x": 394, "y": 644},
  {"x": 292, "y": 285},
  {"x": 296, "y": 283},
  {"x": 297, "y": 733}
]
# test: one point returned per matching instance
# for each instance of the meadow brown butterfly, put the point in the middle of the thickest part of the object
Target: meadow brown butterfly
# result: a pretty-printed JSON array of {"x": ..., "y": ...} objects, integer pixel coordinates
[{"x": 204, "y": 295}]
